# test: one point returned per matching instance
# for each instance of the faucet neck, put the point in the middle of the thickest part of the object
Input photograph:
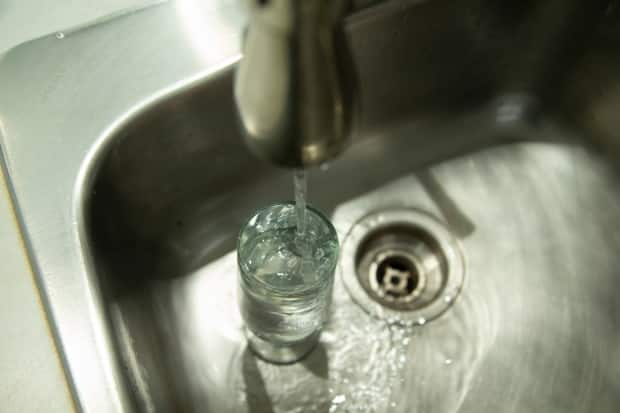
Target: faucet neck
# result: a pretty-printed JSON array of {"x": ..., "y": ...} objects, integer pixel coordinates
[{"x": 293, "y": 87}]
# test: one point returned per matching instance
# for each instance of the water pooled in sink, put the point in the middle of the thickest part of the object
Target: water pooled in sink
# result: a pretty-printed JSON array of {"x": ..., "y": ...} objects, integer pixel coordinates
[
  {"x": 369, "y": 357},
  {"x": 355, "y": 368},
  {"x": 364, "y": 364}
]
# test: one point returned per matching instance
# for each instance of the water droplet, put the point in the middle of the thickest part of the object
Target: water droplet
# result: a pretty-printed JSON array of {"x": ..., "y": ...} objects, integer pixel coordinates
[
  {"x": 421, "y": 321},
  {"x": 393, "y": 404},
  {"x": 447, "y": 362},
  {"x": 447, "y": 298},
  {"x": 60, "y": 35},
  {"x": 341, "y": 398}
]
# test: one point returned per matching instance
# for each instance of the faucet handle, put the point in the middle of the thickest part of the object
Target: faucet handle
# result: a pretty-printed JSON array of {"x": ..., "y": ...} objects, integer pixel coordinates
[{"x": 294, "y": 85}]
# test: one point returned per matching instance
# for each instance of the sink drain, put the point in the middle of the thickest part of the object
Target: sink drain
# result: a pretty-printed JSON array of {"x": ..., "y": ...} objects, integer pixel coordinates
[
  {"x": 402, "y": 265},
  {"x": 393, "y": 276}
]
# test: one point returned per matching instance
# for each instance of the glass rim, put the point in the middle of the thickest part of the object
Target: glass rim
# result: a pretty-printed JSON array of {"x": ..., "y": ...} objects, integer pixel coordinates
[
  {"x": 315, "y": 210},
  {"x": 244, "y": 278}
]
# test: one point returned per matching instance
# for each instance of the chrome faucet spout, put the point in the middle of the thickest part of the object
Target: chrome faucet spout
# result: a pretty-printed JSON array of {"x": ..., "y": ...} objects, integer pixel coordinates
[{"x": 295, "y": 83}]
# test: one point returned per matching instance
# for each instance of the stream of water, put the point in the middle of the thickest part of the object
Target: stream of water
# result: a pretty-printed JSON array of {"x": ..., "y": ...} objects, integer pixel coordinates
[{"x": 300, "y": 182}]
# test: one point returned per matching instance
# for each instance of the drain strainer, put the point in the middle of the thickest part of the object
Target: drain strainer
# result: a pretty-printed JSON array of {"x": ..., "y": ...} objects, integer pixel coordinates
[{"x": 402, "y": 265}]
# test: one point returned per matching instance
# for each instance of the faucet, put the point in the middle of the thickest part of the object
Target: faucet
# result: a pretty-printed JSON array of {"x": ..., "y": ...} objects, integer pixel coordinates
[{"x": 294, "y": 86}]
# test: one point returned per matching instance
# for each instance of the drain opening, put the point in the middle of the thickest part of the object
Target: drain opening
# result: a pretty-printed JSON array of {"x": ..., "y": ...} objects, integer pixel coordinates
[
  {"x": 402, "y": 264},
  {"x": 395, "y": 276}
]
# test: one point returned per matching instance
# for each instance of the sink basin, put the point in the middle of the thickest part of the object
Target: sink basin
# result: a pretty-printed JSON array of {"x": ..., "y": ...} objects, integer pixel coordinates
[
  {"x": 148, "y": 183},
  {"x": 535, "y": 326}
]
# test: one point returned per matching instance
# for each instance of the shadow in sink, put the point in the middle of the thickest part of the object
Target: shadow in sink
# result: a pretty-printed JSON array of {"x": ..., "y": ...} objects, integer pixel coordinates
[
  {"x": 258, "y": 400},
  {"x": 457, "y": 222},
  {"x": 256, "y": 395}
]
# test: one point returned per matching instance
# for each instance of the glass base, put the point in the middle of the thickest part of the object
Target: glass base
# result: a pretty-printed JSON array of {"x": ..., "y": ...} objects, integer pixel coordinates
[{"x": 279, "y": 353}]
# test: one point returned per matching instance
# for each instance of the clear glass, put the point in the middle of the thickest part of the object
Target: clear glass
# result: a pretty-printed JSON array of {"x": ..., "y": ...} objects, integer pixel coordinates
[{"x": 285, "y": 280}]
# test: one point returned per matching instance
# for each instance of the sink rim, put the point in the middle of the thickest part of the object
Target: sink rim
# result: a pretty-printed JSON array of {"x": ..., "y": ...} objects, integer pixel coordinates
[{"x": 29, "y": 144}]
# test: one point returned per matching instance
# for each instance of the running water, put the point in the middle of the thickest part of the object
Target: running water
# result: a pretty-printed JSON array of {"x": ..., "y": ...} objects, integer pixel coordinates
[{"x": 300, "y": 181}]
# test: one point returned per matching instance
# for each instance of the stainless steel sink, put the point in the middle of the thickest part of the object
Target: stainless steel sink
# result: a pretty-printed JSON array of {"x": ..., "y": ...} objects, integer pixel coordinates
[{"x": 132, "y": 182}]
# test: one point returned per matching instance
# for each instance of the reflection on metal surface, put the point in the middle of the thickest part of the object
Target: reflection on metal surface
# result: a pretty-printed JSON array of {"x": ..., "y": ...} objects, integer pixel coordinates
[
  {"x": 126, "y": 237},
  {"x": 447, "y": 364},
  {"x": 296, "y": 58},
  {"x": 203, "y": 23}
]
